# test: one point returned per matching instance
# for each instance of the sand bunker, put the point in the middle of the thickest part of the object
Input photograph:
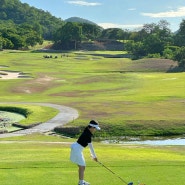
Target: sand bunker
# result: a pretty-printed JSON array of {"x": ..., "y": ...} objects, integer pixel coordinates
[{"x": 7, "y": 75}]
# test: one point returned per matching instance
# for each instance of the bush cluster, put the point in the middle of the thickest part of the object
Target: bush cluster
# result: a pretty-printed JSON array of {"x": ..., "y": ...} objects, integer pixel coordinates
[
  {"x": 18, "y": 110},
  {"x": 129, "y": 128}
]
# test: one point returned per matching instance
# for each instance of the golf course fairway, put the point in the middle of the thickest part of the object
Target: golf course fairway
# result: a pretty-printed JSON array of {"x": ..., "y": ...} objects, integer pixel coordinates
[{"x": 126, "y": 97}]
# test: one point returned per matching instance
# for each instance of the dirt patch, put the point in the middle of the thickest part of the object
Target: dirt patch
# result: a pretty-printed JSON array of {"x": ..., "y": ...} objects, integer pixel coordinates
[
  {"x": 40, "y": 84},
  {"x": 182, "y": 101},
  {"x": 44, "y": 79},
  {"x": 152, "y": 64},
  {"x": 68, "y": 94}
]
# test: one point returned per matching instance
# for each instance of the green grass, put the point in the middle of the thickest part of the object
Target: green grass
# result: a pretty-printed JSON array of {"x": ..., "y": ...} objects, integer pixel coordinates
[
  {"x": 115, "y": 91},
  {"x": 122, "y": 95},
  {"x": 161, "y": 86},
  {"x": 37, "y": 159}
]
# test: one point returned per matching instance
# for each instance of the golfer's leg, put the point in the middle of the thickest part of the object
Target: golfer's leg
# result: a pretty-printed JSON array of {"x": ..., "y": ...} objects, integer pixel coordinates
[{"x": 81, "y": 172}]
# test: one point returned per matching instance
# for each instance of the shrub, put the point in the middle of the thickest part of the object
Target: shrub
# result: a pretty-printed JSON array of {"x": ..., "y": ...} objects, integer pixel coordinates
[
  {"x": 155, "y": 55},
  {"x": 18, "y": 110}
]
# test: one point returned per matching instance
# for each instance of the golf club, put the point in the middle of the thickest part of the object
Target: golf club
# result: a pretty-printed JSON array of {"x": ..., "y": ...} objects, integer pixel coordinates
[{"x": 130, "y": 183}]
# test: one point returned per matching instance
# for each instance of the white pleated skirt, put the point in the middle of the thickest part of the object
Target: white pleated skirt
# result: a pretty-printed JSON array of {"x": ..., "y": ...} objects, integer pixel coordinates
[{"x": 76, "y": 155}]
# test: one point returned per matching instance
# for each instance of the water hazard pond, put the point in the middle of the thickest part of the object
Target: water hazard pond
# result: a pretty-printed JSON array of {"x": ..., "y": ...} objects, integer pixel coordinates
[
  {"x": 7, "y": 118},
  {"x": 157, "y": 141}
]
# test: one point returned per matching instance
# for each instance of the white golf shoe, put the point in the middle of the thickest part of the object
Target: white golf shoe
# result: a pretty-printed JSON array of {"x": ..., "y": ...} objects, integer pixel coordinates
[{"x": 84, "y": 183}]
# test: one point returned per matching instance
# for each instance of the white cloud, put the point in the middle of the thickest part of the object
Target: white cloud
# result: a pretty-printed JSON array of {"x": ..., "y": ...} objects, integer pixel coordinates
[
  {"x": 83, "y": 3},
  {"x": 122, "y": 26},
  {"x": 180, "y": 12}
]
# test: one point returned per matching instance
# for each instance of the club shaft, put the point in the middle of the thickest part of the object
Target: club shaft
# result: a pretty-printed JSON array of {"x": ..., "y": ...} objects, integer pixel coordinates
[{"x": 113, "y": 172}]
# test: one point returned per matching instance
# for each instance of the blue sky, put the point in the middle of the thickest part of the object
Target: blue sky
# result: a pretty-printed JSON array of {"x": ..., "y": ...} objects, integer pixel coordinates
[{"x": 125, "y": 14}]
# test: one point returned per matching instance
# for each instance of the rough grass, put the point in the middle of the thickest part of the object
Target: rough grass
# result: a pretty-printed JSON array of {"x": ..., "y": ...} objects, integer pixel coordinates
[{"x": 116, "y": 91}]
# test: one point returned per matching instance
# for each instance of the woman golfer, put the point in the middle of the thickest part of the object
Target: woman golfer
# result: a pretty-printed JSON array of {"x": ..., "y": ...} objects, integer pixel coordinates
[{"x": 77, "y": 149}]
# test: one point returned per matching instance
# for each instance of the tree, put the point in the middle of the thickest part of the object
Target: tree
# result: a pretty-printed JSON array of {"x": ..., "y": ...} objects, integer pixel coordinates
[
  {"x": 179, "y": 38},
  {"x": 152, "y": 39},
  {"x": 7, "y": 44},
  {"x": 153, "y": 44},
  {"x": 137, "y": 49},
  {"x": 17, "y": 40},
  {"x": 114, "y": 33},
  {"x": 19, "y": 36},
  {"x": 68, "y": 35},
  {"x": 138, "y": 35},
  {"x": 180, "y": 57},
  {"x": 31, "y": 39},
  {"x": 20, "y": 13},
  {"x": 89, "y": 31},
  {"x": 32, "y": 33},
  {"x": 1, "y": 42}
]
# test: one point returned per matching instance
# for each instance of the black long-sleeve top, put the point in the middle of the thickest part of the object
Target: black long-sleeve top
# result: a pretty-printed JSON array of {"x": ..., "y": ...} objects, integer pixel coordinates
[{"x": 85, "y": 137}]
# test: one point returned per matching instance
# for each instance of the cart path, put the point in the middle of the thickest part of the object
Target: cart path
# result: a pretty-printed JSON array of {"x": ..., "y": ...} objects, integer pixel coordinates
[{"x": 65, "y": 115}]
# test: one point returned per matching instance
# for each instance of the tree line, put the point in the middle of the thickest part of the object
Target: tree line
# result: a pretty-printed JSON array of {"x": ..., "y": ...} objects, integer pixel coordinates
[
  {"x": 157, "y": 40},
  {"x": 22, "y": 26},
  {"x": 153, "y": 40}
]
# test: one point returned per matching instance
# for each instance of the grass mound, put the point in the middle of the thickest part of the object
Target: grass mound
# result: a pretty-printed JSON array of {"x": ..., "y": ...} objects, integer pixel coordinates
[
  {"x": 34, "y": 114},
  {"x": 130, "y": 128},
  {"x": 18, "y": 110},
  {"x": 153, "y": 65}
]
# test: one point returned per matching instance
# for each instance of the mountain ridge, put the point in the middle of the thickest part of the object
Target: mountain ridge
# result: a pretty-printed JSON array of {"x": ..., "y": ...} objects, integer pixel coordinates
[{"x": 80, "y": 20}]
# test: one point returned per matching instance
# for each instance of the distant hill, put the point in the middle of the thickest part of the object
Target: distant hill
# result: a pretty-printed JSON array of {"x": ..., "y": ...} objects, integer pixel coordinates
[
  {"x": 28, "y": 26},
  {"x": 79, "y": 20},
  {"x": 13, "y": 11}
]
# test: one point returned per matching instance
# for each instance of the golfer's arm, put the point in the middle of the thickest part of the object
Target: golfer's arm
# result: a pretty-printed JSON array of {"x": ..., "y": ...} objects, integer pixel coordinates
[{"x": 92, "y": 150}]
